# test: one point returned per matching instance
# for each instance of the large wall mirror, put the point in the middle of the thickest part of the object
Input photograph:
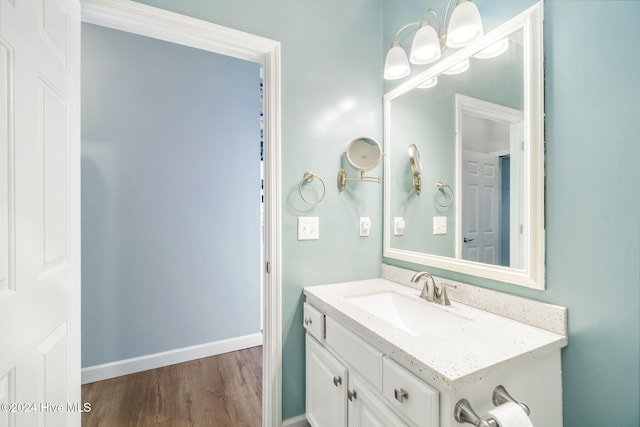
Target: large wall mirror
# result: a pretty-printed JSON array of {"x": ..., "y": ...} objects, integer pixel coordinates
[{"x": 479, "y": 135}]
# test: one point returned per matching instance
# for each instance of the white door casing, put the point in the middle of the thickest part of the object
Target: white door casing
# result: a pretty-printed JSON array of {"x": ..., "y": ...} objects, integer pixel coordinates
[{"x": 40, "y": 212}]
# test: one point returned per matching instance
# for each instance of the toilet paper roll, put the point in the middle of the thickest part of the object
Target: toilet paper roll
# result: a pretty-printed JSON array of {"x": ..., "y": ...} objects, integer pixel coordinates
[{"x": 510, "y": 415}]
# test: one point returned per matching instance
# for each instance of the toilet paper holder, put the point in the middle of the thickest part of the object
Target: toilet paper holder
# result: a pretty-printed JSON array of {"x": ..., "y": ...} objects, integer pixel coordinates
[{"x": 464, "y": 413}]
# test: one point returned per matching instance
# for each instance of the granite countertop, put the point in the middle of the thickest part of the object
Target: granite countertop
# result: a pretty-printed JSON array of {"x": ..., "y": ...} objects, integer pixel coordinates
[{"x": 450, "y": 358}]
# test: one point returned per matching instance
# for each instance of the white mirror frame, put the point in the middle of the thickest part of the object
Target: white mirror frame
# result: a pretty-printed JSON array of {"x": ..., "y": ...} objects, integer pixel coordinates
[{"x": 533, "y": 273}]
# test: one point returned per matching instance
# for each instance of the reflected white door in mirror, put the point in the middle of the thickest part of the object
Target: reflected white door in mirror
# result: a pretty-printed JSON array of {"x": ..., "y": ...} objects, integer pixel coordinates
[
  {"x": 481, "y": 133},
  {"x": 489, "y": 163}
]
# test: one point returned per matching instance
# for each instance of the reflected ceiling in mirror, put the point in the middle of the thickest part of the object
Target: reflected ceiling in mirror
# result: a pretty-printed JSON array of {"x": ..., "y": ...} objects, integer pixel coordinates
[{"x": 481, "y": 131}]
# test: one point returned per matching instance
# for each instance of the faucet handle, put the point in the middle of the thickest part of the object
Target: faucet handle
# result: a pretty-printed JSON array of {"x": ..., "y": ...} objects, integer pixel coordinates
[
  {"x": 445, "y": 297},
  {"x": 425, "y": 292},
  {"x": 440, "y": 296}
]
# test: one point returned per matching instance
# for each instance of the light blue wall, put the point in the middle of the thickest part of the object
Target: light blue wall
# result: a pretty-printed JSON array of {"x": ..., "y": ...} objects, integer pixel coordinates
[
  {"x": 593, "y": 200},
  {"x": 170, "y": 196}
]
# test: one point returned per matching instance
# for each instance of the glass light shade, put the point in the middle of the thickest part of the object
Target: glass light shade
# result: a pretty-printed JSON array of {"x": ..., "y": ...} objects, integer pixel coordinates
[
  {"x": 458, "y": 68},
  {"x": 428, "y": 84},
  {"x": 396, "y": 64},
  {"x": 465, "y": 25},
  {"x": 493, "y": 50},
  {"x": 426, "y": 46}
]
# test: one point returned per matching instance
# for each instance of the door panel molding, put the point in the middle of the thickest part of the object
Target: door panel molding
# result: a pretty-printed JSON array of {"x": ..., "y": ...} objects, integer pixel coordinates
[{"x": 7, "y": 165}]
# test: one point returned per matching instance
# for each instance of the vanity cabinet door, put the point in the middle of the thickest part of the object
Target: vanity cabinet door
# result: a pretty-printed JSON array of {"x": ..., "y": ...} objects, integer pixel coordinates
[
  {"x": 367, "y": 410},
  {"x": 327, "y": 380},
  {"x": 409, "y": 395}
]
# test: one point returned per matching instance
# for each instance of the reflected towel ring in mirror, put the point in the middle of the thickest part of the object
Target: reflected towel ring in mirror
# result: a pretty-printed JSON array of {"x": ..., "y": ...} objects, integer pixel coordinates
[
  {"x": 307, "y": 179},
  {"x": 440, "y": 186},
  {"x": 416, "y": 167},
  {"x": 363, "y": 154}
]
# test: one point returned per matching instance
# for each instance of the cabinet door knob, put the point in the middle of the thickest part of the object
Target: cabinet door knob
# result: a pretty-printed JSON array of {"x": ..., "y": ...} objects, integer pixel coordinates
[
  {"x": 337, "y": 381},
  {"x": 400, "y": 395},
  {"x": 308, "y": 321},
  {"x": 352, "y": 395}
]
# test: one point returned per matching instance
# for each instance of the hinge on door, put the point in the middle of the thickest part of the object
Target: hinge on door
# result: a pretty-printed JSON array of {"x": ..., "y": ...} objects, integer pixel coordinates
[
  {"x": 267, "y": 267},
  {"x": 522, "y": 146}
]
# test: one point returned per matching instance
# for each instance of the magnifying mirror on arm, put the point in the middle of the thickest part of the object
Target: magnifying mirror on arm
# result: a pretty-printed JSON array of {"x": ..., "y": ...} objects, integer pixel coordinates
[
  {"x": 416, "y": 167},
  {"x": 363, "y": 154}
]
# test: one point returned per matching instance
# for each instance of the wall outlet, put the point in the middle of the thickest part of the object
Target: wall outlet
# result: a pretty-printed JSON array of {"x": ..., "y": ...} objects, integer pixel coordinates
[
  {"x": 398, "y": 226},
  {"x": 308, "y": 228},
  {"x": 365, "y": 226},
  {"x": 439, "y": 225}
]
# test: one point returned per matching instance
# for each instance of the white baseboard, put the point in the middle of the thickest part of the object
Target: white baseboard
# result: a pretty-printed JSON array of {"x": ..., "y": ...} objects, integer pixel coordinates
[
  {"x": 299, "y": 421},
  {"x": 138, "y": 364}
]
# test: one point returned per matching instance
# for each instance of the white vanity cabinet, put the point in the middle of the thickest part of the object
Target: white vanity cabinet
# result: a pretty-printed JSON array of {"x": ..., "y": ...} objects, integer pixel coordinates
[
  {"x": 366, "y": 409},
  {"x": 326, "y": 388},
  {"x": 367, "y": 368},
  {"x": 337, "y": 397},
  {"x": 345, "y": 377}
]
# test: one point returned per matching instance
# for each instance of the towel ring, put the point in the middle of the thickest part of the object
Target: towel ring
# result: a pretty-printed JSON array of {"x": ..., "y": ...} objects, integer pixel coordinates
[
  {"x": 440, "y": 186},
  {"x": 306, "y": 179}
]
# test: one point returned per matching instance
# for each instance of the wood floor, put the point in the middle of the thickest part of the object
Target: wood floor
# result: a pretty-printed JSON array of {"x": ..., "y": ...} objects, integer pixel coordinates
[{"x": 218, "y": 391}]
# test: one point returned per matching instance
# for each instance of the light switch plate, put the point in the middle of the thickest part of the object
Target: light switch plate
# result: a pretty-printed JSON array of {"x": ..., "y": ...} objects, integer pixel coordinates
[
  {"x": 439, "y": 225},
  {"x": 308, "y": 228}
]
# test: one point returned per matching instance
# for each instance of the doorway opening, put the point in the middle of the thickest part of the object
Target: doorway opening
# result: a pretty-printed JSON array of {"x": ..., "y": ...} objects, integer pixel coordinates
[{"x": 163, "y": 25}]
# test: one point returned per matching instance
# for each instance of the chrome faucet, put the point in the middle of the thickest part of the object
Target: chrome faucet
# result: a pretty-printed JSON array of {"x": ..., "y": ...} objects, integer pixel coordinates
[{"x": 439, "y": 296}]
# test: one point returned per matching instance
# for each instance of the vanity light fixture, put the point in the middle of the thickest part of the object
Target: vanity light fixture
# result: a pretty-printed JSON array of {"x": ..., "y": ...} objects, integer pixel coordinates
[
  {"x": 396, "y": 64},
  {"x": 465, "y": 26}
]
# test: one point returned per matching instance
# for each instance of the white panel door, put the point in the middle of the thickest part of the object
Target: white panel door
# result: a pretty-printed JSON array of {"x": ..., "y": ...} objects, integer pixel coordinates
[
  {"x": 481, "y": 213},
  {"x": 40, "y": 212}
]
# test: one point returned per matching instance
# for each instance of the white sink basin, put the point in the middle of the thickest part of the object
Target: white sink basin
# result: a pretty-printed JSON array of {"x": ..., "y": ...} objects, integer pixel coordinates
[{"x": 410, "y": 314}]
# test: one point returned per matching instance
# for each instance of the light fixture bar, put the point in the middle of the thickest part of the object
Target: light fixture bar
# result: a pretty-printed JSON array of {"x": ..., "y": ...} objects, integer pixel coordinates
[{"x": 429, "y": 41}]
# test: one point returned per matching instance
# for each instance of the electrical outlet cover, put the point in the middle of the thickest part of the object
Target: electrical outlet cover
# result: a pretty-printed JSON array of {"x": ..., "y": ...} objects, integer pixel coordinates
[{"x": 365, "y": 226}]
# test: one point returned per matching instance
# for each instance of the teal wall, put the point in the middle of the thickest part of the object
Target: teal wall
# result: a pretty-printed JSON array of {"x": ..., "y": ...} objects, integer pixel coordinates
[
  {"x": 593, "y": 205},
  {"x": 332, "y": 54}
]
